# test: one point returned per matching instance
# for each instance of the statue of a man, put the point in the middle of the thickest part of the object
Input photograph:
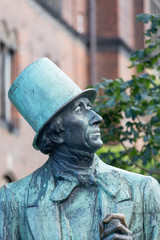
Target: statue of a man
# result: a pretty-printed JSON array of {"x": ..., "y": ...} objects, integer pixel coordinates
[{"x": 74, "y": 195}]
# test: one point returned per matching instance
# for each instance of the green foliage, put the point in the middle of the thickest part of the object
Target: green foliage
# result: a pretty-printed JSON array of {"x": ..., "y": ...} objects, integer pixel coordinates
[{"x": 131, "y": 109}]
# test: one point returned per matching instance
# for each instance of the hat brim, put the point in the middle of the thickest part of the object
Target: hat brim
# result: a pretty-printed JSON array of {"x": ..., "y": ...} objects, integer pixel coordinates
[{"x": 88, "y": 93}]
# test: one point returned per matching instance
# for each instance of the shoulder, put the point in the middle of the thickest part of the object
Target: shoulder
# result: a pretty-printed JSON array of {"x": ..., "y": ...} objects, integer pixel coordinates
[
  {"x": 143, "y": 187},
  {"x": 17, "y": 189},
  {"x": 132, "y": 178}
]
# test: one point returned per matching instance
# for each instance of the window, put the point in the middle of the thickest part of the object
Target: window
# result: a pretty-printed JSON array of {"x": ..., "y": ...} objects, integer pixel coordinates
[
  {"x": 8, "y": 177},
  {"x": 8, "y": 49},
  {"x": 80, "y": 23}
]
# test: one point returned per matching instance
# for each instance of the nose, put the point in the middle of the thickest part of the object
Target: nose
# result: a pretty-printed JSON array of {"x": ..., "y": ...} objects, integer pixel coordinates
[{"x": 95, "y": 118}]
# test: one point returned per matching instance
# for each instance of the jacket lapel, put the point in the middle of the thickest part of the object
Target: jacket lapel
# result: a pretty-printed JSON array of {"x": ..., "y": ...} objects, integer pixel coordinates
[
  {"x": 117, "y": 197},
  {"x": 42, "y": 214},
  {"x": 44, "y": 222}
]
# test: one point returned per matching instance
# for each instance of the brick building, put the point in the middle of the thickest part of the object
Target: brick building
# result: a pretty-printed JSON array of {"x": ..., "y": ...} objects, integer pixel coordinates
[{"x": 87, "y": 39}]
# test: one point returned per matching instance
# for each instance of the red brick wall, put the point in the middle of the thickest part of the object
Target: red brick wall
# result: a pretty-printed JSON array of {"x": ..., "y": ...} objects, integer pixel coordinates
[
  {"x": 107, "y": 25},
  {"x": 39, "y": 35},
  {"x": 123, "y": 64},
  {"x": 126, "y": 20},
  {"x": 107, "y": 65},
  {"x": 72, "y": 9},
  {"x": 138, "y": 27},
  {"x": 115, "y": 23}
]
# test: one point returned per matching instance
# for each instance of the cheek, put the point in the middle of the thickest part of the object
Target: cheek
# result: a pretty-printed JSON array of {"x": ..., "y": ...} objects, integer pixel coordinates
[{"x": 75, "y": 132}]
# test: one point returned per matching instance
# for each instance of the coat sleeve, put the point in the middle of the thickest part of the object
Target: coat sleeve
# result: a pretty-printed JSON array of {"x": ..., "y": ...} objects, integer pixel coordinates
[
  {"x": 151, "y": 210},
  {"x": 8, "y": 215}
]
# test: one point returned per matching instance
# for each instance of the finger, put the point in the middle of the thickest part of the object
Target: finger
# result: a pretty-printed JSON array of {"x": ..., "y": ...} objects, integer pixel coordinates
[
  {"x": 101, "y": 228},
  {"x": 118, "y": 237},
  {"x": 113, "y": 227},
  {"x": 110, "y": 217}
]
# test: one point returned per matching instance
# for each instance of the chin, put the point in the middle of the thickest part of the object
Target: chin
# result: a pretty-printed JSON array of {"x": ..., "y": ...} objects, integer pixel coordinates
[
  {"x": 94, "y": 146},
  {"x": 93, "y": 142}
]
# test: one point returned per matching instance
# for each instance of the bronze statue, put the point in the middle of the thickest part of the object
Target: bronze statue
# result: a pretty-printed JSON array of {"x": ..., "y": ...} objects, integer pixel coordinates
[{"x": 74, "y": 195}]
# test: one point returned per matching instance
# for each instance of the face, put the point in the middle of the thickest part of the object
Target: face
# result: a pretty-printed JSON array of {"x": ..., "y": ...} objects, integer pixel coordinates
[{"x": 81, "y": 130}]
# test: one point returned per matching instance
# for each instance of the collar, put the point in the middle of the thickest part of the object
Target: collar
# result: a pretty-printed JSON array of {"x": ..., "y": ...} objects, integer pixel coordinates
[
  {"x": 108, "y": 180},
  {"x": 61, "y": 162},
  {"x": 69, "y": 176},
  {"x": 71, "y": 161}
]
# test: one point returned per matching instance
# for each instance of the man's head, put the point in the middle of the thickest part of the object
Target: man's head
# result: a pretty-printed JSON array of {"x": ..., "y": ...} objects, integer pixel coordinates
[
  {"x": 46, "y": 97},
  {"x": 76, "y": 128}
]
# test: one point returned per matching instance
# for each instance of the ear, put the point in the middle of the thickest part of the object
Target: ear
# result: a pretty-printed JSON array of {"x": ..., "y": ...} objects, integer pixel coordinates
[{"x": 57, "y": 137}]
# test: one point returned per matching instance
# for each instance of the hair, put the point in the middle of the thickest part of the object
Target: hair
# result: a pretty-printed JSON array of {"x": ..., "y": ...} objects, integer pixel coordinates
[{"x": 46, "y": 142}]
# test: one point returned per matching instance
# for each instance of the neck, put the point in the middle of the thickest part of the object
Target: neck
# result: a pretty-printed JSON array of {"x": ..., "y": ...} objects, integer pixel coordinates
[{"x": 76, "y": 157}]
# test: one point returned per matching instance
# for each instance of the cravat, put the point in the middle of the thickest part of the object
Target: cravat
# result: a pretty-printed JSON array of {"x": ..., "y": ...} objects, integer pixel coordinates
[{"x": 68, "y": 177}]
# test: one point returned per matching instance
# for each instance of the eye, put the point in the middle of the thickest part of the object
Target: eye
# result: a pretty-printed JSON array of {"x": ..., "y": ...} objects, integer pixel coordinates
[
  {"x": 89, "y": 106},
  {"x": 78, "y": 109}
]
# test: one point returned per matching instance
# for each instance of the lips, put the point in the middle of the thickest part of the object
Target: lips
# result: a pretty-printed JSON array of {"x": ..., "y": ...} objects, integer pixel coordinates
[{"x": 95, "y": 134}]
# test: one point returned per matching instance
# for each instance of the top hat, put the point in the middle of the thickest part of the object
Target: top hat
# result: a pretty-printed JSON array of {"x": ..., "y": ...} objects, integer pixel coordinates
[{"x": 41, "y": 91}]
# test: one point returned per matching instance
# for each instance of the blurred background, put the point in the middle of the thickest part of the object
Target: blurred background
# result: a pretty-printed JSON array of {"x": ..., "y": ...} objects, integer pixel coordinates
[{"x": 87, "y": 39}]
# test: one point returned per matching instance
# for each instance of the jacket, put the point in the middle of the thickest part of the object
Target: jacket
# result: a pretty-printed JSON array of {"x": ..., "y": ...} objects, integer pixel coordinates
[{"x": 28, "y": 212}]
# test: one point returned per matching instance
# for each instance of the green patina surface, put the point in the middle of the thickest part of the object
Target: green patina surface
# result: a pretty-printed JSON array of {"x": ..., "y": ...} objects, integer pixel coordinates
[
  {"x": 57, "y": 203},
  {"x": 26, "y": 211}
]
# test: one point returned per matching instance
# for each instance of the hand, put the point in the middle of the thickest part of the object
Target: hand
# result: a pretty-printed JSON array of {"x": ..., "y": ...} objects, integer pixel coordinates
[{"x": 114, "y": 227}]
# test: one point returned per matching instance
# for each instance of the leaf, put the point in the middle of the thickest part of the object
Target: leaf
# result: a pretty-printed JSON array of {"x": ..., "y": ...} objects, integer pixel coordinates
[
  {"x": 135, "y": 158},
  {"x": 137, "y": 101},
  {"x": 136, "y": 109},
  {"x": 148, "y": 41},
  {"x": 145, "y": 139},
  {"x": 124, "y": 85},
  {"x": 140, "y": 67},
  {"x": 144, "y": 75},
  {"x": 157, "y": 130},
  {"x": 128, "y": 112},
  {"x": 111, "y": 103},
  {"x": 141, "y": 54},
  {"x": 125, "y": 97},
  {"x": 157, "y": 139},
  {"x": 145, "y": 18}
]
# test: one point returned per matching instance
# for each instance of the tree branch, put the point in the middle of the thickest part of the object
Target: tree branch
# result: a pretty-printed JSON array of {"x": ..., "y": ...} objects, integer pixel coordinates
[
  {"x": 137, "y": 165},
  {"x": 146, "y": 170}
]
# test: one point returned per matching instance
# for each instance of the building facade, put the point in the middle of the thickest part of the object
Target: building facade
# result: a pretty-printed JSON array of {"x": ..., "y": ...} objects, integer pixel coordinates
[{"x": 87, "y": 39}]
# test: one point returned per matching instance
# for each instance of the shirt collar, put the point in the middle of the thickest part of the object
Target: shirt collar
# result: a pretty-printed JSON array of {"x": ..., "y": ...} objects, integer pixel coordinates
[
  {"x": 68, "y": 177},
  {"x": 63, "y": 164}
]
